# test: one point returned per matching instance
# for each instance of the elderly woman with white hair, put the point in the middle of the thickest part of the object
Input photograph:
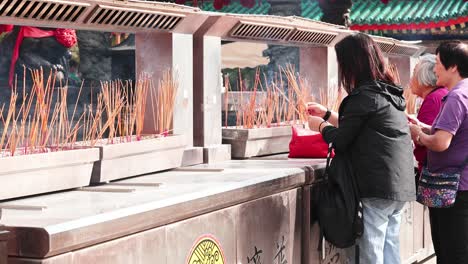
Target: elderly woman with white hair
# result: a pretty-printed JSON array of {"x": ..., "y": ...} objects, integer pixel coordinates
[{"x": 423, "y": 84}]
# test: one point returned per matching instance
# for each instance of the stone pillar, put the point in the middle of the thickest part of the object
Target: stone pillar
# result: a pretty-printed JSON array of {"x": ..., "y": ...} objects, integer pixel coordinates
[
  {"x": 319, "y": 67},
  {"x": 405, "y": 66},
  {"x": 207, "y": 94},
  {"x": 183, "y": 70},
  {"x": 207, "y": 107},
  {"x": 158, "y": 52}
]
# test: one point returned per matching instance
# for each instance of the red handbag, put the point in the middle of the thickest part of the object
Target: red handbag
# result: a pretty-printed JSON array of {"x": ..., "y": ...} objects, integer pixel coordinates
[{"x": 306, "y": 143}]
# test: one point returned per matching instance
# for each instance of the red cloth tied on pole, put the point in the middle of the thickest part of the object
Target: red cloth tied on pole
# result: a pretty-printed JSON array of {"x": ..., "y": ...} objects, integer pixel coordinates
[
  {"x": 5, "y": 28},
  {"x": 66, "y": 37}
]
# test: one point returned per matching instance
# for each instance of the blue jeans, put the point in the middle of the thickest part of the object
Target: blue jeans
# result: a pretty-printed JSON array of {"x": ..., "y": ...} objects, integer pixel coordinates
[{"x": 380, "y": 243}]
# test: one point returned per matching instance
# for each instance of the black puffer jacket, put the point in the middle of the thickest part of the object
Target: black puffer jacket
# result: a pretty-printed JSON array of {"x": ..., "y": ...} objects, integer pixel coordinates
[{"x": 373, "y": 129}]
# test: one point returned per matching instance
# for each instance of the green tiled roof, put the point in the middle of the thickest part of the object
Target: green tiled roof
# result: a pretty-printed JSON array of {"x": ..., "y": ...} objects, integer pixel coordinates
[
  {"x": 371, "y": 11},
  {"x": 310, "y": 9},
  {"x": 406, "y": 12},
  {"x": 396, "y": 11}
]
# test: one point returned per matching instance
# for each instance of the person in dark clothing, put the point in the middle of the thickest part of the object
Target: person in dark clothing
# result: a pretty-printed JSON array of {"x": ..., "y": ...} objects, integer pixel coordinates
[{"x": 371, "y": 127}]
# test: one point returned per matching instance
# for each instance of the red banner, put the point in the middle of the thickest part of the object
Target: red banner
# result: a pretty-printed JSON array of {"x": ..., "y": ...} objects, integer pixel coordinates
[
  {"x": 412, "y": 26},
  {"x": 5, "y": 28},
  {"x": 66, "y": 37},
  {"x": 25, "y": 32}
]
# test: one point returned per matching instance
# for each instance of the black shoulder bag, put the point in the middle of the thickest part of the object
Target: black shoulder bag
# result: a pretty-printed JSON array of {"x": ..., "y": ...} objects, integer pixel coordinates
[{"x": 337, "y": 202}]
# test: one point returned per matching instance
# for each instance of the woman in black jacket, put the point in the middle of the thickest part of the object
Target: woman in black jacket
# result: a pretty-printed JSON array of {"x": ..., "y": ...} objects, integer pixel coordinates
[{"x": 372, "y": 129}]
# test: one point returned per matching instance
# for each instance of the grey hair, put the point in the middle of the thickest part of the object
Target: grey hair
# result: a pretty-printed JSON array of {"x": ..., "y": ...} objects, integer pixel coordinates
[{"x": 425, "y": 71}]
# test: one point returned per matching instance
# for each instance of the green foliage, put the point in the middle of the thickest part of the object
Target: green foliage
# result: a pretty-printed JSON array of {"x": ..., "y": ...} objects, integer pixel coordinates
[
  {"x": 75, "y": 53},
  {"x": 2, "y": 36}
]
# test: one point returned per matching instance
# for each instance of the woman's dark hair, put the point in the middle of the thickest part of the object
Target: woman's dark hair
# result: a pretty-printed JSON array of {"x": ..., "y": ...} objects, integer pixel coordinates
[
  {"x": 359, "y": 60},
  {"x": 454, "y": 53}
]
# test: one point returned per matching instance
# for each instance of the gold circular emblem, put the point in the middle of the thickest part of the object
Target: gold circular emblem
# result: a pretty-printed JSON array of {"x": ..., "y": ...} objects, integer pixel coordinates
[{"x": 206, "y": 251}]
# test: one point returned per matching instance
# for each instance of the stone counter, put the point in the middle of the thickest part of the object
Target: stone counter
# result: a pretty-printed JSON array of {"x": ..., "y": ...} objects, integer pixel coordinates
[{"x": 60, "y": 227}]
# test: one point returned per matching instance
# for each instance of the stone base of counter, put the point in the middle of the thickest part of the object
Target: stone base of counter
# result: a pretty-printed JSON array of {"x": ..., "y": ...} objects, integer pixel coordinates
[
  {"x": 33, "y": 174},
  {"x": 266, "y": 229},
  {"x": 123, "y": 160},
  {"x": 192, "y": 156},
  {"x": 246, "y": 143},
  {"x": 215, "y": 154}
]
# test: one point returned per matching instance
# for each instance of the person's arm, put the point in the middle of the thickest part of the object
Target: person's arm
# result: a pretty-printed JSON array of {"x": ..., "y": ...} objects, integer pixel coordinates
[
  {"x": 333, "y": 120},
  {"x": 451, "y": 116},
  {"x": 355, "y": 114},
  {"x": 438, "y": 142},
  {"x": 426, "y": 128},
  {"x": 317, "y": 123},
  {"x": 316, "y": 109}
]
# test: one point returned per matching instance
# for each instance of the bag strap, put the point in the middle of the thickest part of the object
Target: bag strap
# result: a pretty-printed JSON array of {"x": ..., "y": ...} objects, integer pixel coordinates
[
  {"x": 355, "y": 186},
  {"x": 330, "y": 149},
  {"x": 353, "y": 180}
]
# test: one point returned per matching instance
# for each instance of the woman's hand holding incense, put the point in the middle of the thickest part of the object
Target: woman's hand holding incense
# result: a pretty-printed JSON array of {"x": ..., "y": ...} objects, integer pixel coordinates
[{"x": 316, "y": 109}]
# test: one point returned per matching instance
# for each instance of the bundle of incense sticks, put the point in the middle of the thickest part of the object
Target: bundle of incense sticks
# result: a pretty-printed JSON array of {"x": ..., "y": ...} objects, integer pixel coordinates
[
  {"x": 411, "y": 101},
  {"x": 279, "y": 105},
  {"x": 38, "y": 121},
  {"x": 393, "y": 70},
  {"x": 165, "y": 100},
  {"x": 410, "y": 98},
  {"x": 122, "y": 107},
  {"x": 332, "y": 97},
  {"x": 41, "y": 122}
]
